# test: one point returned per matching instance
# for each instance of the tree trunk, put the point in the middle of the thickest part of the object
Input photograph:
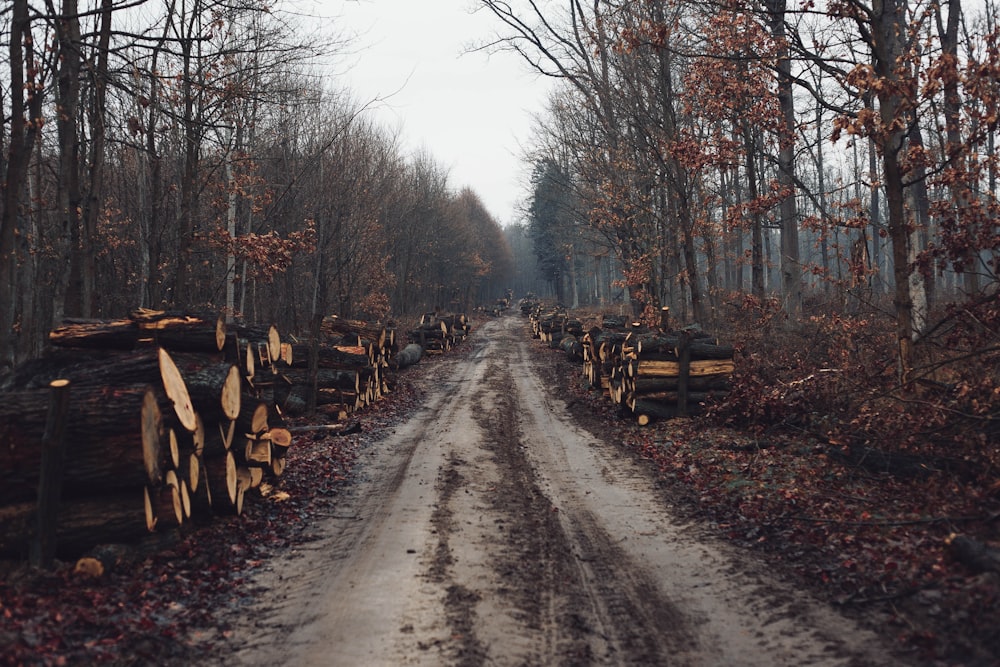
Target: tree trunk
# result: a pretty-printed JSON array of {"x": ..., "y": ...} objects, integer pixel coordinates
[
  {"x": 18, "y": 158},
  {"x": 791, "y": 270},
  {"x": 71, "y": 243},
  {"x": 889, "y": 33}
]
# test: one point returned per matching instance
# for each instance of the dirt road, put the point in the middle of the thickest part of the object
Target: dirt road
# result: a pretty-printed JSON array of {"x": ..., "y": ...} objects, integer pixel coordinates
[{"x": 489, "y": 529}]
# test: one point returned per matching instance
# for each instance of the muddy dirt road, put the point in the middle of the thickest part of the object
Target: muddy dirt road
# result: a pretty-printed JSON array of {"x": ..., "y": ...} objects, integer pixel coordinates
[{"x": 489, "y": 529}]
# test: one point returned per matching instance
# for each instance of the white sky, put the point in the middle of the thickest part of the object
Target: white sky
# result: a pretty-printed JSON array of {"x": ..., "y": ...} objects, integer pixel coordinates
[{"x": 470, "y": 111}]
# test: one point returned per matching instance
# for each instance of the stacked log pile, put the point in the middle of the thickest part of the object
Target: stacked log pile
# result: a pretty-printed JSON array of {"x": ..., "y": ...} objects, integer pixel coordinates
[
  {"x": 646, "y": 373},
  {"x": 528, "y": 305},
  {"x": 175, "y": 417},
  {"x": 500, "y": 306},
  {"x": 601, "y": 347},
  {"x": 673, "y": 375},
  {"x": 152, "y": 404},
  {"x": 437, "y": 333}
]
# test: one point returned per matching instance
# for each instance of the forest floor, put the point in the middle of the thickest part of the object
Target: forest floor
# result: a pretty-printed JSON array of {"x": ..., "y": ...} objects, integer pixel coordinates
[{"x": 873, "y": 547}]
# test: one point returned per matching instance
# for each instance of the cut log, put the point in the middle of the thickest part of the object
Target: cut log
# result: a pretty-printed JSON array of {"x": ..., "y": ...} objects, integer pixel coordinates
[
  {"x": 181, "y": 332},
  {"x": 164, "y": 508},
  {"x": 326, "y": 378},
  {"x": 642, "y": 385},
  {"x": 278, "y": 466},
  {"x": 106, "y": 448},
  {"x": 182, "y": 486},
  {"x": 252, "y": 420},
  {"x": 647, "y": 368},
  {"x": 976, "y": 555},
  {"x": 176, "y": 389},
  {"x": 279, "y": 437},
  {"x": 257, "y": 453},
  {"x": 337, "y": 327},
  {"x": 335, "y": 357},
  {"x": 194, "y": 472},
  {"x": 214, "y": 388},
  {"x": 408, "y": 356},
  {"x": 184, "y": 443},
  {"x": 102, "y": 334},
  {"x": 80, "y": 524},
  {"x": 265, "y": 341},
  {"x": 648, "y": 411},
  {"x": 220, "y": 474}
]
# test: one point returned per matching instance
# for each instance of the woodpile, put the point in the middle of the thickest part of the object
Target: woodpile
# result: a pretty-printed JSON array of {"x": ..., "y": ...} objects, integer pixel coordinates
[
  {"x": 500, "y": 306},
  {"x": 437, "y": 333},
  {"x": 351, "y": 359},
  {"x": 152, "y": 402},
  {"x": 647, "y": 373},
  {"x": 175, "y": 417}
]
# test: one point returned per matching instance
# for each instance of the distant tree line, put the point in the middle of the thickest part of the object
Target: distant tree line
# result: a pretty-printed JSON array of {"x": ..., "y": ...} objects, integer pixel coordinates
[{"x": 193, "y": 155}]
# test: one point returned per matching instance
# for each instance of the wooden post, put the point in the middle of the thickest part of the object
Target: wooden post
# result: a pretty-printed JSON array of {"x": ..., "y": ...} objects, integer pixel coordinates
[
  {"x": 43, "y": 547},
  {"x": 684, "y": 358},
  {"x": 665, "y": 319}
]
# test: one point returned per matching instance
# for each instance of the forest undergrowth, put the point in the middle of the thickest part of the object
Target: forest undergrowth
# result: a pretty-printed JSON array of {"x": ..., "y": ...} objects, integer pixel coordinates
[{"x": 883, "y": 498}]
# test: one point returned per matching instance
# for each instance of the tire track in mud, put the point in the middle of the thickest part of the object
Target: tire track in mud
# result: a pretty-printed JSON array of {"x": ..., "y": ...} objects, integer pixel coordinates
[
  {"x": 296, "y": 621},
  {"x": 566, "y": 569}
]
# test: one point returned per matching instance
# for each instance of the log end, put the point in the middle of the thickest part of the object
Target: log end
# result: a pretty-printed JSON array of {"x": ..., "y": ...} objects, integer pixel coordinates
[{"x": 176, "y": 389}]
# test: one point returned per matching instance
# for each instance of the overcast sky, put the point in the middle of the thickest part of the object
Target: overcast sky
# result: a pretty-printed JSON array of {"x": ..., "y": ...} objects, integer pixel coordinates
[{"x": 470, "y": 111}]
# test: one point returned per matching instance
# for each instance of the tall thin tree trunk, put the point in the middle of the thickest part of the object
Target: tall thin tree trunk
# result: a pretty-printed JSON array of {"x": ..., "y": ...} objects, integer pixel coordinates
[
  {"x": 888, "y": 35},
  {"x": 821, "y": 181},
  {"x": 791, "y": 265},
  {"x": 69, "y": 244},
  {"x": 18, "y": 158},
  {"x": 98, "y": 146}
]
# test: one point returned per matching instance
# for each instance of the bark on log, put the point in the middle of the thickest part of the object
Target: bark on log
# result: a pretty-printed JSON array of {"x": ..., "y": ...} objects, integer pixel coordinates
[
  {"x": 180, "y": 332},
  {"x": 671, "y": 397},
  {"x": 706, "y": 350},
  {"x": 201, "y": 495},
  {"x": 99, "y": 334},
  {"x": 975, "y": 555},
  {"x": 408, "y": 356},
  {"x": 173, "y": 331},
  {"x": 648, "y": 411},
  {"x": 278, "y": 465},
  {"x": 645, "y": 384},
  {"x": 216, "y": 443},
  {"x": 104, "y": 369},
  {"x": 106, "y": 448},
  {"x": 340, "y": 358},
  {"x": 334, "y": 326},
  {"x": 80, "y": 524},
  {"x": 326, "y": 378},
  {"x": 214, "y": 388}
]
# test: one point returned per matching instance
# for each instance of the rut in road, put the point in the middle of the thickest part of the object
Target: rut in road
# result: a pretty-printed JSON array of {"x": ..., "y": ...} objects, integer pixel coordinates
[{"x": 489, "y": 529}]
